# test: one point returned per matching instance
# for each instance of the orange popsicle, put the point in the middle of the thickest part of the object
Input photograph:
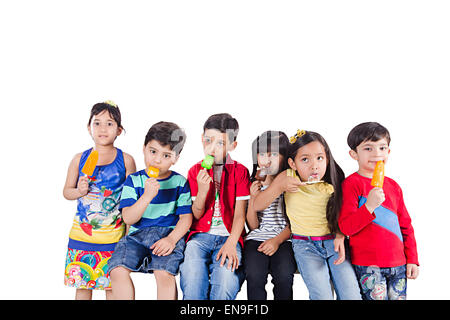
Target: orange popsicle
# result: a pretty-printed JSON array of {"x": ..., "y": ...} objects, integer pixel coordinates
[
  {"x": 90, "y": 164},
  {"x": 378, "y": 175},
  {"x": 153, "y": 172}
]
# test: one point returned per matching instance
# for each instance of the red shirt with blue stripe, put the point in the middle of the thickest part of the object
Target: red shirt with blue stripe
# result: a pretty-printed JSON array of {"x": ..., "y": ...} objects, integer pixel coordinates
[{"x": 384, "y": 238}]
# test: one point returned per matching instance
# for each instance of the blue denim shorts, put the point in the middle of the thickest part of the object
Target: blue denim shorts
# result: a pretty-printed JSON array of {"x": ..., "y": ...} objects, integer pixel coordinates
[{"x": 133, "y": 252}]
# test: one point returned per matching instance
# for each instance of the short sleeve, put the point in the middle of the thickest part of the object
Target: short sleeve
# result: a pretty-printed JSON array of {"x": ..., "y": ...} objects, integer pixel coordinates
[
  {"x": 184, "y": 201},
  {"x": 129, "y": 195},
  {"x": 242, "y": 183},
  {"x": 192, "y": 181}
]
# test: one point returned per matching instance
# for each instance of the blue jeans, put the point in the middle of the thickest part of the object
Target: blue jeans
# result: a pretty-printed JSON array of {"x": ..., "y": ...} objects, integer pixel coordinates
[
  {"x": 315, "y": 264},
  {"x": 382, "y": 283},
  {"x": 202, "y": 277},
  {"x": 133, "y": 252}
]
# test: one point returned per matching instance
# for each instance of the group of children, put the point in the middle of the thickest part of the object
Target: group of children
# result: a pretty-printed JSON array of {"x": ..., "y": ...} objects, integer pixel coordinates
[{"x": 301, "y": 212}]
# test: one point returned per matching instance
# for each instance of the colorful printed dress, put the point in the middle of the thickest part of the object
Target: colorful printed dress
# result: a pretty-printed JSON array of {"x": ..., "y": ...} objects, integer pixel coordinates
[{"x": 97, "y": 226}]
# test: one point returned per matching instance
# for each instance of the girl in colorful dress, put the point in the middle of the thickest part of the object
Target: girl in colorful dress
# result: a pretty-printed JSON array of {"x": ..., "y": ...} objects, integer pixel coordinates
[
  {"x": 97, "y": 225},
  {"x": 313, "y": 197},
  {"x": 268, "y": 248}
]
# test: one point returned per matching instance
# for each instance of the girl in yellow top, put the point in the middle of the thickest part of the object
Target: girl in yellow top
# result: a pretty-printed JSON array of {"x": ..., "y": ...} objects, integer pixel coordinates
[{"x": 312, "y": 193}]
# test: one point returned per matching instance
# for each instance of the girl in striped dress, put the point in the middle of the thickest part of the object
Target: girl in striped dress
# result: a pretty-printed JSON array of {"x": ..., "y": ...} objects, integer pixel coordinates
[{"x": 267, "y": 247}]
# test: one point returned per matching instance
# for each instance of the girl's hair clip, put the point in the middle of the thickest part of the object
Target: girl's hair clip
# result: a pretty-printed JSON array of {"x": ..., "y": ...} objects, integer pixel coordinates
[
  {"x": 299, "y": 134},
  {"x": 111, "y": 103}
]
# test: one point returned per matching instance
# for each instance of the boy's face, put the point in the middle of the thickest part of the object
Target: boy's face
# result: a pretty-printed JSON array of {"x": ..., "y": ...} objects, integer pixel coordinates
[
  {"x": 159, "y": 156},
  {"x": 217, "y": 144},
  {"x": 368, "y": 153},
  {"x": 310, "y": 162}
]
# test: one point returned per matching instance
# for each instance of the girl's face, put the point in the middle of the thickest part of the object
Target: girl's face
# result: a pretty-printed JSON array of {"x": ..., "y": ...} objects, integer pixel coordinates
[
  {"x": 104, "y": 129},
  {"x": 270, "y": 161},
  {"x": 310, "y": 162}
]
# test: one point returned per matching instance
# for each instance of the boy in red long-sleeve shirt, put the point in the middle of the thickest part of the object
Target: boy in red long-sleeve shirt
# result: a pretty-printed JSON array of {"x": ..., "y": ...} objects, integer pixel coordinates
[{"x": 382, "y": 244}]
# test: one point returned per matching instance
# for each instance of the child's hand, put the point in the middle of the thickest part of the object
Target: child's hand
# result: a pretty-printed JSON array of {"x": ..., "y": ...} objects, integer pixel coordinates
[
  {"x": 255, "y": 188},
  {"x": 412, "y": 271},
  {"x": 292, "y": 184},
  {"x": 203, "y": 181},
  {"x": 339, "y": 247},
  {"x": 151, "y": 188},
  {"x": 374, "y": 199},
  {"x": 163, "y": 247},
  {"x": 229, "y": 251},
  {"x": 269, "y": 247},
  {"x": 83, "y": 186}
]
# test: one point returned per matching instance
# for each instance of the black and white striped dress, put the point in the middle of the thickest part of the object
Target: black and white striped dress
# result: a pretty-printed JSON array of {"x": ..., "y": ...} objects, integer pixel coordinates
[{"x": 272, "y": 221}]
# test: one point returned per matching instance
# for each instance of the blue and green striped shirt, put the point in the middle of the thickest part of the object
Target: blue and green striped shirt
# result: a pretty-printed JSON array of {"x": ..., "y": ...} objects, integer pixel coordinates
[{"x": 173, "y": 199}]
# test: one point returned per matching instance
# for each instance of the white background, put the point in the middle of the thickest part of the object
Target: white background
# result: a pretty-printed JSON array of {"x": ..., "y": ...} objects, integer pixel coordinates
[{"x": 317, "y": 65}]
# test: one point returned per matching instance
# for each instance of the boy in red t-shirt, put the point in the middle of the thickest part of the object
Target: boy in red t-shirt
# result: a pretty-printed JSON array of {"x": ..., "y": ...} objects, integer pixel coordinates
[
  {"x": 382, "y": 244},
  {"x": 219, "y": 194}
]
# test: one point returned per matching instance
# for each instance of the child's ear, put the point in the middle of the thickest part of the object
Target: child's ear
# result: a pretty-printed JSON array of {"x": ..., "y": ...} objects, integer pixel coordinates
[
  {"x": 176, "y": 159},
  {"x": 233, "y": 146},
  {"x": 292, "y": 164},
  {"x": 353, "y": 154}
]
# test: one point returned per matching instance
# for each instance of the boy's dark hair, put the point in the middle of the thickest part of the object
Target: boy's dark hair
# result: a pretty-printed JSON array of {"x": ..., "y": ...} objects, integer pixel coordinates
[
  {"x": 167, "y": 133},
  {"x": 334, "y": 175},
  {"x": 367, "y": 131},
  {"x": 270, "y": 141},
  {"x": 225, "y": 123},
  {"x": 113, "y": 110}
]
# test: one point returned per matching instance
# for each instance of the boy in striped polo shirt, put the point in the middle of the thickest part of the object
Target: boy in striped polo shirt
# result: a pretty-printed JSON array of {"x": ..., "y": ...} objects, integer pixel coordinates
[{"x": 158, "y": 213}]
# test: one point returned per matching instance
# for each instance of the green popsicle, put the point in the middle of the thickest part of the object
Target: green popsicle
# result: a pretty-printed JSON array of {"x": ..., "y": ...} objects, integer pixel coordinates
[{"x": 208, "y": 162}]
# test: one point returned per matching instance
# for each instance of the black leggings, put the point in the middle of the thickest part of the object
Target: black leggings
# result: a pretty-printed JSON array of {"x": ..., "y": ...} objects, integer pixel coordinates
[{"x": 281, "y": 265}]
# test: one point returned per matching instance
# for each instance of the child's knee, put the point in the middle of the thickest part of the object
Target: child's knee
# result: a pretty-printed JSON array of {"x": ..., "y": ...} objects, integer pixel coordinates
[
  {"x": 119, "y": 273},
  {"x": 164, "y": 276}
]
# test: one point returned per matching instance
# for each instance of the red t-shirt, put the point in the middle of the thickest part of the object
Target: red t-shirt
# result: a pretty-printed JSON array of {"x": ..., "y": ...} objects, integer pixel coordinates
[
  {"x": 235, "y": 185},
  {"x": 384, "y": 238}
]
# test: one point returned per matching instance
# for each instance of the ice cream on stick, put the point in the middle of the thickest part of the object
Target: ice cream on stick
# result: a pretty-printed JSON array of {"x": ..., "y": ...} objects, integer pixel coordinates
[
  {"x": 153, "y": 172},
  {"x": 208, "y": 162},
  {"x": 378, "y": 175},
  {"x": 90, "y": 164},
  {"x": 261, "y": 175}
]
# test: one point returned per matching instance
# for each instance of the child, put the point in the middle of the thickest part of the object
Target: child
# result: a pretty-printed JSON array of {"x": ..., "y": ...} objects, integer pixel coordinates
[
  {"x": 313, "y": 198},
  {"x": 267, "y": 246},
  {"x": 213, "y": 249},
  {"x": 97, "y": 226},
  {"x": 382, "y": 243},
  {"x": 158, "y": 211}
]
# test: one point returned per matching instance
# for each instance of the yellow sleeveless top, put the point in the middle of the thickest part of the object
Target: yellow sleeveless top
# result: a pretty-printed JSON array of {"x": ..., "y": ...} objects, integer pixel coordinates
[{"x": 306, "y": 209}]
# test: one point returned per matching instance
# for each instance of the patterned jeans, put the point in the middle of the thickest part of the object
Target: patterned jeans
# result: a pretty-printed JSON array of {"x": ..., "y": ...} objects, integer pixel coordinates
[{"x": 382, "y": 283}]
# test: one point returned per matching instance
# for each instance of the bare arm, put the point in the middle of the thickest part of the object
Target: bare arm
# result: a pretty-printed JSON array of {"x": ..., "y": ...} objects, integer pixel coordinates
[
  {"x": 282, "y": 183},
  {"x": 75, "y": 188},
  {"x": 204, "y": 182},
  {"x": 165, "y": 246},
  {"x": 263, "y": 199},
  {"x": 130, "y": 165},
  {"x": 252, "y": 214},
  {"x": 228, "y": 249}
]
